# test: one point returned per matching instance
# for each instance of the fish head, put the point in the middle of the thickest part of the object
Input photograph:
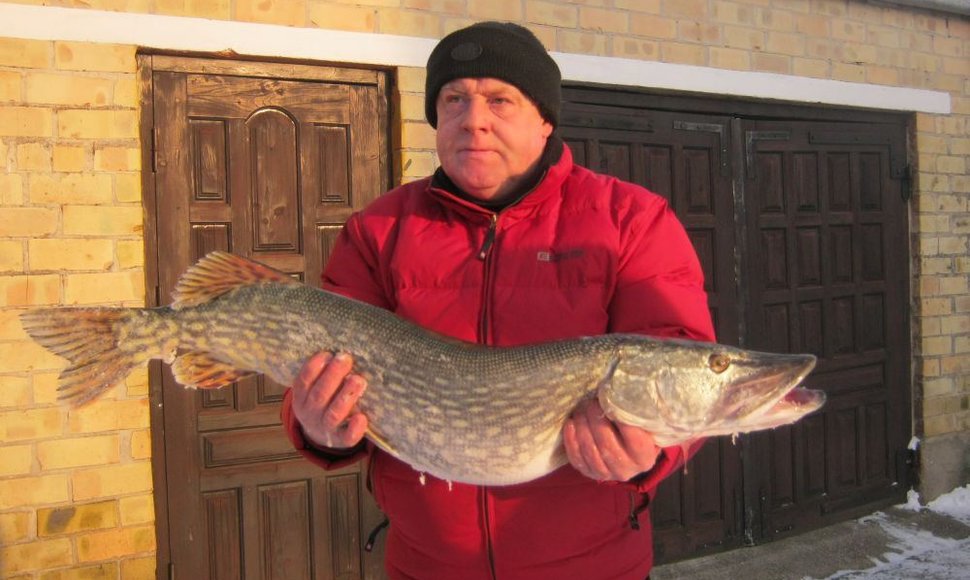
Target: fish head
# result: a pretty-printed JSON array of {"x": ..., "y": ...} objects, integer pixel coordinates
[{"x": 681, "y": 390}]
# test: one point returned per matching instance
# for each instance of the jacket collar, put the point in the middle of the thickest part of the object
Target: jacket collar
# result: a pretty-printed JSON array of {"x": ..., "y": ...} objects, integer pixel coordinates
[{"x": 548, "y": 186}]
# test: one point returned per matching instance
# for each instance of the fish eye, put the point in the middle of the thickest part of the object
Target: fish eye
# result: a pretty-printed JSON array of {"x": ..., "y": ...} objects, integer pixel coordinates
[{"x": 719, "y": 363}]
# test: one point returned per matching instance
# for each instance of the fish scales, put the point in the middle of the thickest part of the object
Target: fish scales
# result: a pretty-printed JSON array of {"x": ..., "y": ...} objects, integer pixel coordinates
[{"x": 456, "y": 410}]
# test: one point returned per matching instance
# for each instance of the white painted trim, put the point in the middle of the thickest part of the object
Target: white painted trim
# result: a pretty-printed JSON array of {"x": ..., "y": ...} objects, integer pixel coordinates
[{"x": 266, "y": 40}]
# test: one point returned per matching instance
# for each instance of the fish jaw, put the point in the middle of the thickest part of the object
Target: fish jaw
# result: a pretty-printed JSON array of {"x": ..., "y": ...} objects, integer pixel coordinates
[{"x": 684, "y": 396}]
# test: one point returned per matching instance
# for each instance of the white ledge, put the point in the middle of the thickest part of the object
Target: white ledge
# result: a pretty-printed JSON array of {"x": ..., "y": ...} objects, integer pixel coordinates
[{"x": 267, "y": 40}]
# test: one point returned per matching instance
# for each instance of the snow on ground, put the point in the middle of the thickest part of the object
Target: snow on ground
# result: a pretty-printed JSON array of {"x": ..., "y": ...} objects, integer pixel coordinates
[{"x": 918, "y": 553}]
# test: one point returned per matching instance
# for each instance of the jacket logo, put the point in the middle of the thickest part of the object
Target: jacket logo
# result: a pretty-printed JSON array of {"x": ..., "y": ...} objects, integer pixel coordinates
[{"x": 550, "y": 256}]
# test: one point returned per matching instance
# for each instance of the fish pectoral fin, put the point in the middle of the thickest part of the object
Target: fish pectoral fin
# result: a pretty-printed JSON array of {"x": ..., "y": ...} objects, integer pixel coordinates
[
  {"x": 200, "y": 370},
  {"x": 381, "y": 442},
  {"x": 221, "y": 272}
]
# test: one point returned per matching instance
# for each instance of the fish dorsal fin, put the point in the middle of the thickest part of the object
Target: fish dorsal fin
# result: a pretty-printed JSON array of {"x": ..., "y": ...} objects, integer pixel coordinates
[{"x": 221, "y": 272}]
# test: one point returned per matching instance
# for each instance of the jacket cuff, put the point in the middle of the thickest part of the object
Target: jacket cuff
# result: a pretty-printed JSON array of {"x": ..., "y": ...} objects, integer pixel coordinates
[
  {"x": 670, "y": 460},
  {"x": 325, "y": 457}
]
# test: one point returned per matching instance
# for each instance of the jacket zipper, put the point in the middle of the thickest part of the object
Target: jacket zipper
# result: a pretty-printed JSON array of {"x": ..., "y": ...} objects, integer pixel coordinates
[{"x": 484, "y": 254}]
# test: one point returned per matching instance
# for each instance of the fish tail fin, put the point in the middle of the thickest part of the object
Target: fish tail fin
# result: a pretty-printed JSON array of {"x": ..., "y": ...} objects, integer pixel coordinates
[{"x": 98, "y": 343}]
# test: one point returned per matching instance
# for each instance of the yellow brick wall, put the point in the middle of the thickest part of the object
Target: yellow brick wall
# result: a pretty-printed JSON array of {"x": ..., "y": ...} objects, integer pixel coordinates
[{"x": 75, "y": 486}]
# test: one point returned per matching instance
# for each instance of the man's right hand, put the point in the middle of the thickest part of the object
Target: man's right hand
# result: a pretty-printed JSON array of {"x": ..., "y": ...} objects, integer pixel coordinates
[{"x": 325, "y": 396}]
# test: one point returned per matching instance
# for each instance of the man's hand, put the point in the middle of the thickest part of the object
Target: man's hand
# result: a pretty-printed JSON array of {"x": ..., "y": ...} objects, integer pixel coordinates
[
  {"x": 606, "y": 451},
  {"x": 325, "y": 395}
]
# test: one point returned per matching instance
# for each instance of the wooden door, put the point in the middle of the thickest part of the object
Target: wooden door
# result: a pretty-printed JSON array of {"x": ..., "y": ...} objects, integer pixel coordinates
[
  {"x": 826, "y": 269},
  {"x": 685, "y": 158},
  {"x": 265, "y": 161},
  {"x": 800, "y": 224}
]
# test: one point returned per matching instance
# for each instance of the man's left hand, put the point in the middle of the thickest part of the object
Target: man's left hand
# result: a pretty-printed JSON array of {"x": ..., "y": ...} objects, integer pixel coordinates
[{"x": 607, "y": 451}]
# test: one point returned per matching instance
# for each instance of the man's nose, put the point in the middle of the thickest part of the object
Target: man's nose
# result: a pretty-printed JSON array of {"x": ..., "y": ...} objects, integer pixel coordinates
[{"x": 476, "y": 115}]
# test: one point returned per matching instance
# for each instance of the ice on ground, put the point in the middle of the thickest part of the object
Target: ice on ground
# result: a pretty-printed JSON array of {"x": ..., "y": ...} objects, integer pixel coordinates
[{"x": 918, "y": 553}]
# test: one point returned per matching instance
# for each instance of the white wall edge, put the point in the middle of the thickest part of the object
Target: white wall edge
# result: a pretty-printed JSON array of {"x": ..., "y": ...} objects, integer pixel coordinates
[{"x": 266, "y": 40}]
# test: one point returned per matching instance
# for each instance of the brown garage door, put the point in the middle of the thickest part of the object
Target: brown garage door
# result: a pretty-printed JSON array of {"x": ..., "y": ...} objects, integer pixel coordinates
[
  {"x": 266, "y": 161},
  {"x": 799, "y": 218}
]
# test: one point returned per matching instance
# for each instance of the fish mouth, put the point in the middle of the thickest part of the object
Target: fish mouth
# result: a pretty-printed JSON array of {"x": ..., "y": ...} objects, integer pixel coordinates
[
  {"x": 770, "y": 396},
  {"x": 771, "y": 386}
]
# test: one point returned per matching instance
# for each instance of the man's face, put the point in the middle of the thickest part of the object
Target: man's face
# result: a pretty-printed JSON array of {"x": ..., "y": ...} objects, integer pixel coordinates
[{"x": 489, "y": 135}]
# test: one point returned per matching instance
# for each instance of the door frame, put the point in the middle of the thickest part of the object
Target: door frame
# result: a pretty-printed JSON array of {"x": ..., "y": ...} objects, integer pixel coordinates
[{"x": 148, "y": 63}]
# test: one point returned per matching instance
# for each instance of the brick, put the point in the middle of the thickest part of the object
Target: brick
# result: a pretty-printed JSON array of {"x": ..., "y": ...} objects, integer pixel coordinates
[
  {"x": 417, "y": 136},
  {"x": 634, "y": 47},
  {"x": 953, "y": 285},
  {"x": 852, "y": 73},
  {"x": 30, "y": 290},
  {"x": 11, "y": 189},
  {"x": 85, "y": 56},
  {"x": 25, "y": 53},
  {"x": 680, "y": 53},
  {"x": 127, "y": 93},
  {"x": 14, "y": 390},
  {"x": 955, "y": 365},
  {"x": 16, "y": 460},
  {"x": 730, "y": 58},
  {"x": 25, "y": 356},
  {"x": 452, "y": 7},
  {"x": 27, "y": 221},
  {"x": 68, "y": 89},
  {"x": 75, "y": 518},
  {"x": 84, "y": 220},
  {"x": 733, "y": 13},
  {"x": 651, "y": 6},
  {"x": 112, "y": 481},
  {"x": 131, "y": 254},
  {"x": 127, "y": 187},
  {"x": 212, "y": 9},
  {"x": 936, "y": 345},
  {"x": 583, "y": 42},
  {"x": 738, "y": 37},
  {"x": 335, "y": 17},
  {"x": 941, "y": 425},
  {"x": 136, "y": 383},
  {"x": 419, "y": 163},
  {"x": 810, "y": 67},
  {"x": 102, "y": 571},
  {"x": 11, "y": 256},
  {"x": 699, "y": 32},
  {"x": 410, "y": 23},
  {"x": 35, "y": 556},
  {"x": 602, "y": 20},
  {"x": 784, "y": 43},
  {"x": 70, "y": 254},
  {"x": 141, "y": 444},
  {"x": 106, "y": 287},
  {"x": 29, "y": 491},
  {"x": 81, "y": 124},
  {"x": 30, "y": 424},
  {"x": 71, "y": 188},
  {"x": 411, "y": 79},
  {"x": 11, "y": 87},
  {"x": 44, "y": 386},
  {"x": 652, "y": 26},
  {"x": 139, "y": 509},
  {"x": 771, "y": 63},
  {"x": 79, "y": 452},
  {"x": 778, "y": 20},
  {"x": 880, "y": 75},
  {"x": 551, "y": 14},
  {"x": 33, "y": 157},
  {"x": 282, "y": 12},
  {"x": 687, "y": 9},
  {"x": 411, "y": 107},
  {"x": 491, "y": 10},
  {"x": 15, "y": 527},
  {"x": 115, "y": 543},
  {"x": 70, "y": 158},
  {"x": 25, "y": 122},
  {"x": 138, "y": 567},
  {"x": 108, "y": 415}
]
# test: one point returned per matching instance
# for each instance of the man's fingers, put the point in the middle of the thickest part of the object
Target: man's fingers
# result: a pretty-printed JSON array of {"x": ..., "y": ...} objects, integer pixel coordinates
[
  {"x": 343, "y": 402},
  {"x": 308, "y": 375}
]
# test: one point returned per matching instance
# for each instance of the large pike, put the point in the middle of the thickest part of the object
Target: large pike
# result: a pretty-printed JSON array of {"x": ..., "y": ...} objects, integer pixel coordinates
[{"x": 455, "y": 410}]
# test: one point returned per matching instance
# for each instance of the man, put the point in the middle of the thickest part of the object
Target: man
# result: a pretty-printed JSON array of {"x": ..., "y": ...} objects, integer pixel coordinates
[{"x": 508, "y": 243}]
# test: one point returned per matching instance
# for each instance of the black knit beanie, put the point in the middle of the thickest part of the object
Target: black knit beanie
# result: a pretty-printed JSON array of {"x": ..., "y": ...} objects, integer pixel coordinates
[{"x": 500, "y": 50}]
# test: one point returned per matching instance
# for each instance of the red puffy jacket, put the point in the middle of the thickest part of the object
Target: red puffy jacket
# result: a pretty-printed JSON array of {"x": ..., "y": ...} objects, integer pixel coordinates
[{"x": 582, "y": 254}]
